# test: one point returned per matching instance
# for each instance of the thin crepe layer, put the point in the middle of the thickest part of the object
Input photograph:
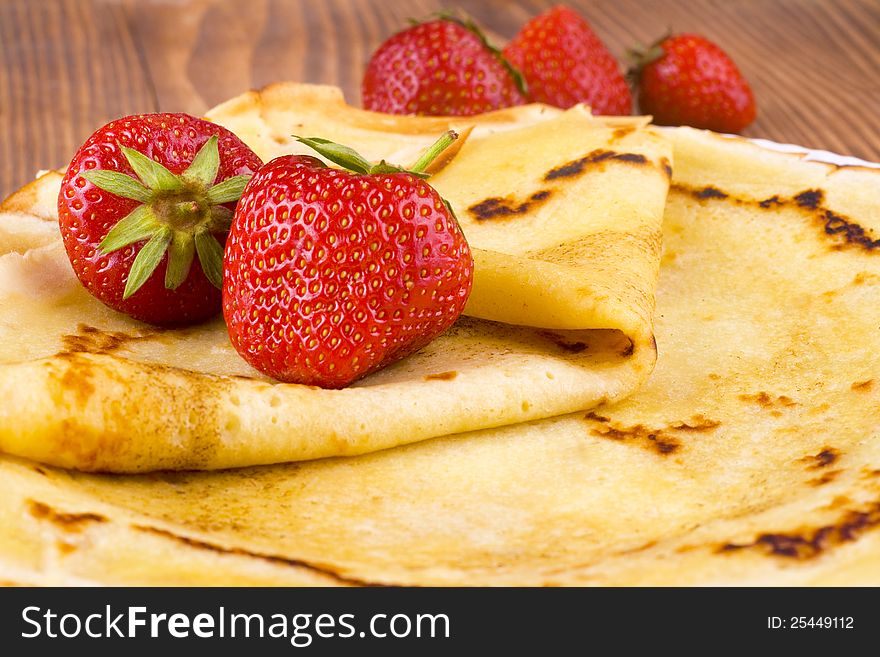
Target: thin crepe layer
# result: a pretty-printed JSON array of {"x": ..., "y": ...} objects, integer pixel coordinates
[
  {"x": 751, "y": 456},
  {"x": 560, "y": 319}
]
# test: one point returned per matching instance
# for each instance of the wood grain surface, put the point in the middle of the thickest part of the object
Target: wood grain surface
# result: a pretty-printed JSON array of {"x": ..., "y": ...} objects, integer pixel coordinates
[{"x": 68, "y": 66}]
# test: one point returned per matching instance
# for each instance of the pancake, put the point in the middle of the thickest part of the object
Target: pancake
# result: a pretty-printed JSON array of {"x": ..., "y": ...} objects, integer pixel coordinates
[
  {"x": 560, "y": 318},
  {"x": 751, "y": 456}
]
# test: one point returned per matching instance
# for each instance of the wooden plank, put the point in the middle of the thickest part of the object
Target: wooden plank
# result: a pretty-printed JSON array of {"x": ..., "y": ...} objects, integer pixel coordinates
[
  {"x": 66, "y": 68},
  {"x": 812, "y": 64}
]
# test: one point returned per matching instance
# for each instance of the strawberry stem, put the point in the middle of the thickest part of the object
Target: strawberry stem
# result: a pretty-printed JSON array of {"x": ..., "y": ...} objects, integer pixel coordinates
[
  {"x": 353, "y": 161},
  {"x": 640, "y": 56},
  {"x": 444, "y": 142}
]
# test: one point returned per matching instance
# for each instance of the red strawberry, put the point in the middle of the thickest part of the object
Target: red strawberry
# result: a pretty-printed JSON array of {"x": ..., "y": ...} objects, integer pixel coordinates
[
  {"x": 564, "y": 63},
  {"x": 443, "y": 67},
  {"x": 141, "y": 197},
  {"x": 330, "y": 275},
  {"x": 688, "y": 80}
]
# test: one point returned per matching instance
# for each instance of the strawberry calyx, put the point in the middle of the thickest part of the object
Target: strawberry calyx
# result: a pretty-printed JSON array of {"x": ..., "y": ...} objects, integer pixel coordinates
[
  {"x": 177, "y": 214},
  {"x": 640, "y": 56},
  {"x": 351, "y": 160}
]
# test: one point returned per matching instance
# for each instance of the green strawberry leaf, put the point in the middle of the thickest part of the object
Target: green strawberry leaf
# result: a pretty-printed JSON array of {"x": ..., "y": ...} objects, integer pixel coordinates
[
  {"x": 211, "y": 257},
  {"x": 137, "y": 225},
  {"x": 344, "y": 156},
  {"x": 227, "y": 191},
  {"x": 152, "y": 174},
  {"x": 205, "y": 164},
  {"x": 180, "y": 256},
  {"x": 351, "y": 160},
  {"x": 118, "y": 183},
  {"x": 221, "y": 219},
  {"x": 146, "y": 261}
]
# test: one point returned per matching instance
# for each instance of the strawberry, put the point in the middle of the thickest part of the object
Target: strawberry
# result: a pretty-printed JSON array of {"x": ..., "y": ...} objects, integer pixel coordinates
[
  {"x": 564, "y": 63},
  {"x": 442, "y": 67},
  {"x": 688, "y": 80},
  {"x": 332, "y": 274},
  {"x": 141, "y": 197}
]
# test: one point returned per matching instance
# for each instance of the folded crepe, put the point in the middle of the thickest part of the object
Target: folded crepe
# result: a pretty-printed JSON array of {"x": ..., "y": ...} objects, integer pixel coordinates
[
  {"x": 751, "y": 455},
  {"x": 563, "y": 213}
]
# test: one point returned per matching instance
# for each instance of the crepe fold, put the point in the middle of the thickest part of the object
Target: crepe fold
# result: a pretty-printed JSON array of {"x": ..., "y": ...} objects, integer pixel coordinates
[
  {"x": 563, "y": 214},
  {"x": 750, "y": 457}
]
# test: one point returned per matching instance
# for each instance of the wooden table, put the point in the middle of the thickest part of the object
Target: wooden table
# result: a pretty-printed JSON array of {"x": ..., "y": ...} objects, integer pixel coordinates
[{"x": 68, "y": 66}]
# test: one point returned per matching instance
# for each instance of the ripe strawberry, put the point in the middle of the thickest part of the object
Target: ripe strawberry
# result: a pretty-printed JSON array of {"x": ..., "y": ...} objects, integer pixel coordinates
[
  {"x": 141, "y": 196},
  {"x": 688, "y": 80},
  {"x": 330, "y": 275},
  {"x": 564, "y": 63},
  {"x": 443, "y": 67}
]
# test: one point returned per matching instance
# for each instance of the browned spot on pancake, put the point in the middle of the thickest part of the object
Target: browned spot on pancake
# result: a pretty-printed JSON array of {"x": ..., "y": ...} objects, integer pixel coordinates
[
  {"x": 65, "y": 548},
  {"x": 634, "y": 158},
  {"x": 714, "y": 377},
  {"x": 577, "y": 167},
  {"x": 620, "y": 133},
  {"x": 639, "y": 548},
  {"x": 770, "y": 202},
  {"x": 667, "y": 167},
  {"x": 865, "y": 277},
  {"x": 839, "y": 502},
  {"x": 76, "y": 377},
  {"x": 810, "y": 199},
  {"x": 818, "y": 410},
  {"x": 629, "y": 349},
  {"x": 822, "y": 459},
  {"x": 836, "y": 224},
  {"x": 863, "y": 386},
  {"x": 826, "y": 478},
  {"x": 761, "y": 398},
  {"x": 698, "y": 423},
  {"x": 664, "y": 441},
  {"x": 709, "y": 192},
  {"x": 767, "y": 401},
  {"x": 442, "y": 376},
  {"x": 321, "y": 569},
  {"x": 89, "y": 339},
  {"x": 177, "y": 402},
  {"x": 808, "y": 543},
  {"x": 40, "y": 470},
  {"x": 495, "y": 207},
  {"x": 870, "y": 473},
  {"x": 562, "y": 343},
  {"x": 69, "y": 522}
]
